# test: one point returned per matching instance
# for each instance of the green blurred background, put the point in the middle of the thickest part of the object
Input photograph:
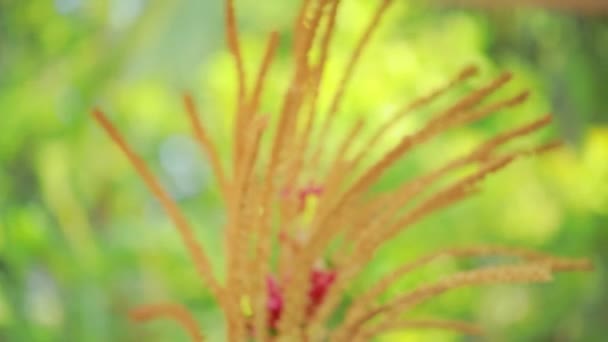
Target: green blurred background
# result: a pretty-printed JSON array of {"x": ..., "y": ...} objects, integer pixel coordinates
[{"x": 81, "y": 239}]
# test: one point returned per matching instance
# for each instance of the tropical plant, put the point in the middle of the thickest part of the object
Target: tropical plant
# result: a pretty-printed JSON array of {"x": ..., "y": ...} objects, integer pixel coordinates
[{"x": 289, "y": 262}]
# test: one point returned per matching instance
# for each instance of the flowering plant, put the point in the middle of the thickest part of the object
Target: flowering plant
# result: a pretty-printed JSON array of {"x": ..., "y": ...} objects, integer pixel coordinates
[{"x": 280, "y": 166}]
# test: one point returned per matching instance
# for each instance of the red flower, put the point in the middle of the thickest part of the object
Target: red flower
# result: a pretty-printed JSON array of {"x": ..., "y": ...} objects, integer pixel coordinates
[
  {"x": 274, "y": 306},
  {"x": 320, "y": 282}
]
